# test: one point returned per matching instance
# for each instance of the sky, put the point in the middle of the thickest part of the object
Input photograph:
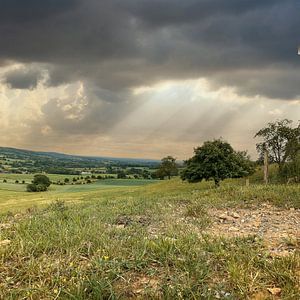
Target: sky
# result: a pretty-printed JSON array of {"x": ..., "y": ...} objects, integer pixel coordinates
[{"x": 145, "y": 78}]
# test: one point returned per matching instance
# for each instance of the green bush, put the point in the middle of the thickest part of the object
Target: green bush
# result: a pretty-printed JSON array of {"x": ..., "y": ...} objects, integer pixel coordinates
[
  {"x": 31, "y": 187},
  {"x": 291, "y": 170},
  {"x": 40, "y": 183},
  {"x": 41, "y": 179}
]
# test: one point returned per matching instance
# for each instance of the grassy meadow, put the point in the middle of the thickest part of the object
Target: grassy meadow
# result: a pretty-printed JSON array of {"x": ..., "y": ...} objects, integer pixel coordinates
[
  {"x": 13, "y": 196},
  {"x": 139, "y": 242}
]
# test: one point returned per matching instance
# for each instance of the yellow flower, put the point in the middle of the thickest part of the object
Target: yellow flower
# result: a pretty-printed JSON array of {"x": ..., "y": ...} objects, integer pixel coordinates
[
  {"x": 71, "y": 264},
  {"x": 106, "y": 257},
  {"x": 55, "y": 291}
]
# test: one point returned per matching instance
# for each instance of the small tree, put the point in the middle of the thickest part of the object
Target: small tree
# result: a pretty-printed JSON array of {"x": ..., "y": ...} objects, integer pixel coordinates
[
  {"x": 40, "y": 183},
  {"x": 167, "y": 168},
  {"x": 216, "y": 160},
  {"x": 41, "y": 179},
  {"x": 66, "y": 180},
  {"x": 280, "y": 140},
  {"x": 121, "y": 174}
]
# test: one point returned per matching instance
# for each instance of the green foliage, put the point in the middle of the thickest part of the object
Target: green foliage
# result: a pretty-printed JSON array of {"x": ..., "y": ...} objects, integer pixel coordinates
[
  {"x": 41, "y": 179},
  {"x": 121, "y": 174},
  {"x": 216, "y": 160},
  {"x": 40, "y": 183},
  {"x": 280, "y": 140},
  {"x": 290, "y": 171},
  {"x": 31, "y": 187},
  {"x": 167, "y": 168}
]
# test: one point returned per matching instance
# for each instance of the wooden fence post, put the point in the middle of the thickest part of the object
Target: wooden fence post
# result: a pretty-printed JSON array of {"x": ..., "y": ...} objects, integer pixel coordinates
[{"x": 266, "y": 167}]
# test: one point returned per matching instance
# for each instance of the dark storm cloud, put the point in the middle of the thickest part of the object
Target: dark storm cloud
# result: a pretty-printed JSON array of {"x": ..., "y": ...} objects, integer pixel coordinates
[
  {"x": 23, "y": 78},
  {"x": 116, "y": 44}
]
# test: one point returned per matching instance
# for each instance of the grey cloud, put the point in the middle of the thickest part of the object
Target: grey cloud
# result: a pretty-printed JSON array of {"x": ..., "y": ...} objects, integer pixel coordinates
[
  {"x": 116, "y": 44},
  {"x": 23, "y": 78},
  {"x": 94, "y": 112}
]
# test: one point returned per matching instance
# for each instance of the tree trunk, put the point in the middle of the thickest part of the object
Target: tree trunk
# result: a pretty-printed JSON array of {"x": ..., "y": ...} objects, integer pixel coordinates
[{"x": 217, "y": 182}]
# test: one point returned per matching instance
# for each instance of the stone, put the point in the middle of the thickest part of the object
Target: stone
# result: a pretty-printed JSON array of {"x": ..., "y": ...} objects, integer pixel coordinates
[
  {"x": 5, "y": 242},
  {"x": 274, "y": 291},
  {"x": 235, "y": 215},
  {"x": 225, "y": 217}
]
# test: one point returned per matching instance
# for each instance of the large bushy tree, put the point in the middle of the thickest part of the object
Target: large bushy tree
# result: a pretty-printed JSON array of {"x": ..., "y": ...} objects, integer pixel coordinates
[{"x": 216, "y": 160}]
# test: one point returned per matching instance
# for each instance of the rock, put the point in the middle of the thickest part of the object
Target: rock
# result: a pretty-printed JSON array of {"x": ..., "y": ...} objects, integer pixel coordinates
[
  {"x": 5, "y": 242},
  {"x": 274, "y": 291},
  {"x": 233, "y": 229},
  {"x": 235, "y": 215},
  {"x": 261, "y": 295},
  {"x": 120, "y": 226},
  {"x": 283, "y": 253},
  {"x": 225, "y": 217},
  {"x": 292, "y": 209},
  {"x": 5, "y": 225}
]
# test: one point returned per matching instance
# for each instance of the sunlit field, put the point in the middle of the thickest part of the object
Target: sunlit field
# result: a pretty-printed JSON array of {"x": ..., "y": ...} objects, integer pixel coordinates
[{"x": 13, "y": 196}]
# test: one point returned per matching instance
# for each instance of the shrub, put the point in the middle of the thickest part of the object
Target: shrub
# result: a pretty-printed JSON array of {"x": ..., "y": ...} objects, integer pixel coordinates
[
  {"x": 40, "y": 183},
  {"x": 291, "y": 170},
  {"x": 31, "y": 187},
  {"x": 41, "y": 179},
  {"x": 41, "y": 188}
]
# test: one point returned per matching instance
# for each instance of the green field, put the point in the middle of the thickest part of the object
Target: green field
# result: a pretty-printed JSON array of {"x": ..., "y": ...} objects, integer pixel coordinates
[
  {"x": 14, "y": 196},
  {"x": 28, "y": 177},
  {"x": 140, "y": 242}
]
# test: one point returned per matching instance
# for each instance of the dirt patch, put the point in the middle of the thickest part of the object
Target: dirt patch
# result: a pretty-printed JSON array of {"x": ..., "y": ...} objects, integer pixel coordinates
[
  {"x": 124, "y": 221},
  {"x": 278, "y": 228},
  {"x": 139, "y": 286}
]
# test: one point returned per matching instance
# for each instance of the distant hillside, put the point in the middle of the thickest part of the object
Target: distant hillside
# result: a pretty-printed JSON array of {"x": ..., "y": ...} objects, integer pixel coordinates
[
  {"x": 20, "y": 160},
  {"x": 23, "y": 154}
]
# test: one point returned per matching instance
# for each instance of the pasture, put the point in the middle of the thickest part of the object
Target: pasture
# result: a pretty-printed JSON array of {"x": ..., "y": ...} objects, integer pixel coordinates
[
  {"x": 154, "y": 241},
  {"x": 13, "y": 196}
]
